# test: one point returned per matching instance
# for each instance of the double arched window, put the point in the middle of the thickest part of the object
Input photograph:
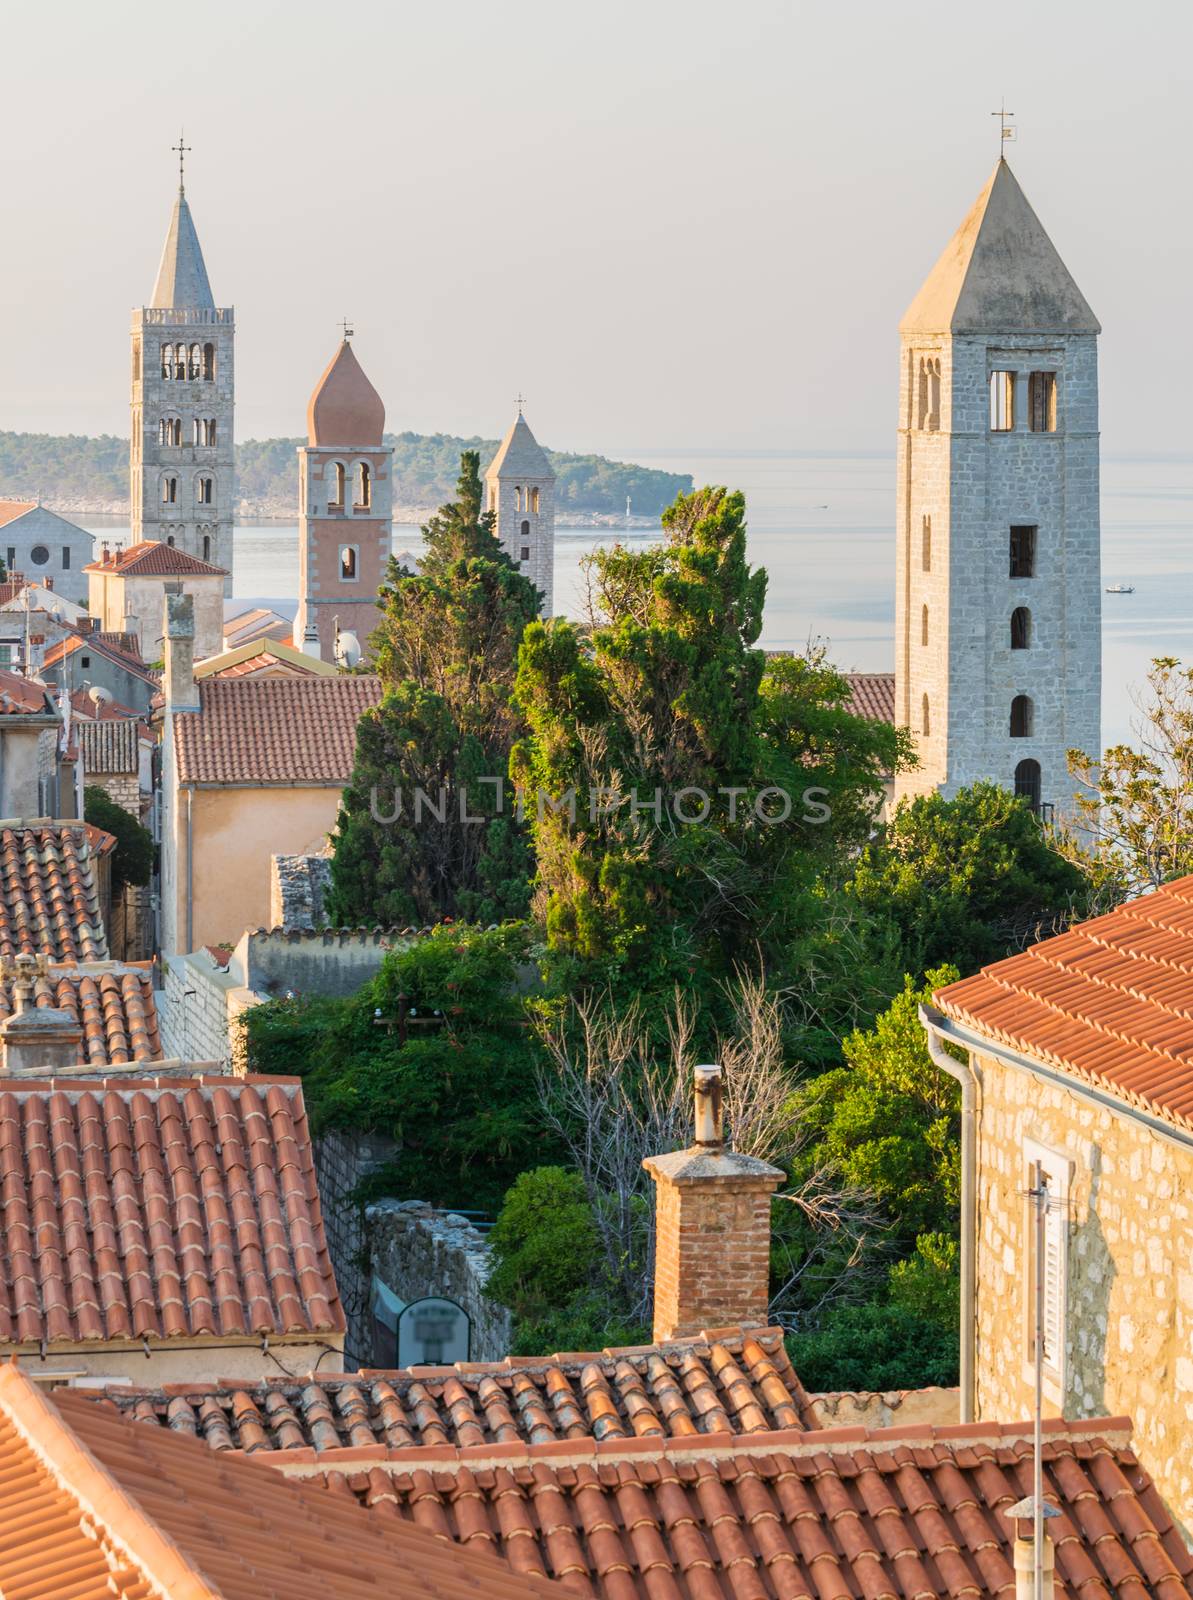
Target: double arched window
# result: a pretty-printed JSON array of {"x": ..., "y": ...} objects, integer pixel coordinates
[
  {"x": 169, "y": 491},
  {"x": 204, "y": 431},
  {"x": 204, "y": 490}
]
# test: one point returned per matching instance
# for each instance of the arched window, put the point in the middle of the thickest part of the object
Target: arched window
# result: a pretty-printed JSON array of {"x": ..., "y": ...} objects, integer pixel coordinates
[
  {"x": 204, "y": 491},
  {"x": 517, "y": 497},
  {"x": 207, "y": 547},
  {"x": 1022, "y": 717},
  {"x": 364, "y": 486},
  {"x": 348, "y": 563},
  {"x": 1020, "y": 628},
  {"x": 926, "y": 552},
  {"x": 209, "y": 362},
  {"x": 170, "y": 540},
  {"x": 526, "y": 530},
  {"x": 923, "y": 624},
  {"x": 169, "y": 491},
  {"x": 210, "y": 439},
  {"x": 167, "y": 361},
  {"x": 534, "y": 501},
  {"x": 179, "y": 362},
  {"x": 335, "y": 493},
  {"x": 925, "y": 719},
  {"x": 196, "y": 362},
  {"x": 1027, "y": 782},
  {"x": 163, "y": 430}
]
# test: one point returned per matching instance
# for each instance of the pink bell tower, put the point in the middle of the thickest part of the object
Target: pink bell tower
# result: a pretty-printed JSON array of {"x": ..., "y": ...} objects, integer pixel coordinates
[{"x": 345, "y": 507}]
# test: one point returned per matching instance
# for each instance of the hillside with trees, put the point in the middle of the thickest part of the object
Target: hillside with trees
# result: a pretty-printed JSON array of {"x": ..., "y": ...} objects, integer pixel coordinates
[{"x": 74, "y": 473}]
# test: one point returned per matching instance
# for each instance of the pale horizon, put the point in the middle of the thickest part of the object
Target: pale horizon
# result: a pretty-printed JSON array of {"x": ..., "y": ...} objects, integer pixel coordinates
[{"x": 673, "y": 230}]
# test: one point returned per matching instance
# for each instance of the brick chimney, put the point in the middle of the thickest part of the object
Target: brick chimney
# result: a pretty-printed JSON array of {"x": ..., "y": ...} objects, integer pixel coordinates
[
  {"x": 178, "y": 684},
  {"x": 712, "y": 1228}
]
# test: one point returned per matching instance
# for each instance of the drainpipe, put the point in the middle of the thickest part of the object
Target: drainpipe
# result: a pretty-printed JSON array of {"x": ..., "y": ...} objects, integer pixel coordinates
[
  {"x": 190, "y": 868},
  {"x": 965, "y": 1076}
]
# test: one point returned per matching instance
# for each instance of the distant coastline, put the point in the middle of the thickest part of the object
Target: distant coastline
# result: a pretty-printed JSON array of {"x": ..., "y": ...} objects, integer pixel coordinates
[{"x": 278, "y": 511}]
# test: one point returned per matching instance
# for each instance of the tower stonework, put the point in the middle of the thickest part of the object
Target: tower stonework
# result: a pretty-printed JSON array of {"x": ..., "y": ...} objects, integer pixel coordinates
[
  {"x": 998, "y": 600},
  {"x": 182, "y": 472},
  {"x": 345, "y": 527},
  {"x": 521, "y": 490}
]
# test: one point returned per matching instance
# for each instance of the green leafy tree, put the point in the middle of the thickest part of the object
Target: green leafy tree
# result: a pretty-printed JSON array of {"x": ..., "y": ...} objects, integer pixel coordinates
[
  {"x": 966, "y": 880},
  {"x": 427, "y": 827},
  {"x": 875, "y": 1345},
  {"x": 132, "y": 860}
]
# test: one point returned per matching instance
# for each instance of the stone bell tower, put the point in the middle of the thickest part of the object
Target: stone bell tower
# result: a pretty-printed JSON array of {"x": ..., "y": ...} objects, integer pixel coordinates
[
  {"x": 182, "y": 473},
  {"x": 521, "y": 490},
  {"x": 998, "y": 601},
  {"x": 345, "y": 532}
]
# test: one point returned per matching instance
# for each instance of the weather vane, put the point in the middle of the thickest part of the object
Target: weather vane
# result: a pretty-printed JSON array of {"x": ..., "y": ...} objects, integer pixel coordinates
[
  {"x": 1006, "y": 130},
  {"x": 349, "y": 330},
  {"x": 183, "y": 150},
  {"x": 521, "y": 401}
]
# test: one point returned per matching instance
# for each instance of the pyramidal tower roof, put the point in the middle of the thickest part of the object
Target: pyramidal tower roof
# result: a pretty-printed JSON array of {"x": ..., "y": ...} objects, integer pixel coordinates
[
  {"x": 1000, "y": 273},
  {"x": 345, "y": 409},
  {"x": 182, "y": 275},
  {"x": 520, "y": 455}
]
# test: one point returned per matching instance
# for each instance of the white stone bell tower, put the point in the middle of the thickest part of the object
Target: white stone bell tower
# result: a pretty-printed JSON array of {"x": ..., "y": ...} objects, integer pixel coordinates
[
  {"x": 521, "y": 490},
  {"x": 998, "y": 601},
  {"x": 182, "y": 473}
]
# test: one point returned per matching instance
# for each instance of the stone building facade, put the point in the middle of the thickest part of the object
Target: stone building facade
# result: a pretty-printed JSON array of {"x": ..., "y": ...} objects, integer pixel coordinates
[
  {"x": 998, "y": 599},
  {"x": 181, "y": 462},
  {"x": 345, "y": 531},
  {"x": 521, "y": 490}
]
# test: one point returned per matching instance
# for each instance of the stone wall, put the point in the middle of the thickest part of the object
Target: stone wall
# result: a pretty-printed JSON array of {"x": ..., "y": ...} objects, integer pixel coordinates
[
  {"x": 1129, "y": 1336},
  {"x": 890, "y": 1408},
  {"x": 298, "y": 888},
  {"x": 417, "y": 1251},
  {"x": 330, "y": 961},
  {"x": 342, "y": 1161},
  {"x": 196, "y": 1006}
]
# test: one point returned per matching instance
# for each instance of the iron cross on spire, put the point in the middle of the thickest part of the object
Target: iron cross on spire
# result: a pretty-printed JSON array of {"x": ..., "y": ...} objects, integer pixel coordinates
[
  {"x": 183, "y": 150},
  {"x": 1006, "y": 130},
  {"x": 349, "y": 330},
  {"x": 521, "y": 401}
]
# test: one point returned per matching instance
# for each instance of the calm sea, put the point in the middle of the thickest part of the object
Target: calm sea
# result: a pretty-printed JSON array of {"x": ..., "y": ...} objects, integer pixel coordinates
[{"x": 823, "y": 527}]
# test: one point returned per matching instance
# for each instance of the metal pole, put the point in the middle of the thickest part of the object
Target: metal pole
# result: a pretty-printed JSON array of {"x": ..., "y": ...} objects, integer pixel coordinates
[{"x": 1040, "y": 1200}]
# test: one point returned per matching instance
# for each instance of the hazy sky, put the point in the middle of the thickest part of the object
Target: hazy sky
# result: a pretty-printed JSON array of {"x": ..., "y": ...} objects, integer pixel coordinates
[{"x": 669, "y": 223}]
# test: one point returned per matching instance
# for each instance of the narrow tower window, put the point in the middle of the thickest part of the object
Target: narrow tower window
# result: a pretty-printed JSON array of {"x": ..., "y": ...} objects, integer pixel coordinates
[
  {"x": 196, "y": 366},
  {"x": 1041, "y": 402},
  {"x": 206, "y": 491},
  {"x": 1002, "y": 401},
  {"x": 179, "y": 362},
  {"x": 926, "y": 560},
  {"x": 1023, "y": 552},
  {"x": 1022, "y": 717},
  {"x": 1027, "y": 782},
  {"x": 929, "y": 393},
  {"x": 207, "y": 547},
  {"x": 208, "y": 362},
  {"x": 137, "y": 361},
  {"x": 1020, "y": 628},
  {"x": 335, "y": 498},
  {"x": 169, "y": 491},
  {"x": 925, "y": 718},
  {"x": 924, "y": 625},
  {"x": 364, "y": 487},
  {"x": 167, "y": 361},
  {"x": 348, "y": 563},
  {"x": 517, "y": 497},
  {"x": 525, "y": 552},
  {"x": 534, "y": 501},
  {"x": 210, "y": 439},
  {"x": 526, "y": 530}
]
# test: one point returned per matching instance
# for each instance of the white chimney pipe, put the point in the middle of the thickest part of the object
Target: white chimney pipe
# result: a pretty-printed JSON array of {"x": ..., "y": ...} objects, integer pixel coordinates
[{"x": 709, "y": 1131}]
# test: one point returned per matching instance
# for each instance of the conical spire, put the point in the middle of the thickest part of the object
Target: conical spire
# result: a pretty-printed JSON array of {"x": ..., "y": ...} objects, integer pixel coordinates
[
  {"x": 345, "y": 409},
  {"x": 182, "y": 276},
  {"x": 1000, "y": 273},
  {"x": 520, "y": 455}
]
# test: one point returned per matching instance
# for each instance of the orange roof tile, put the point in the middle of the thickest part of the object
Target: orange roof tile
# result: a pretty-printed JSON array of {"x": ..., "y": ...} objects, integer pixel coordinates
[
  {"x": 837, "y": 1512},
  {"x": 10, "y": 510},
  {"x": 96, "y": 643},
  {"x": 105, "y": 711},
  {"x": 94, "y": 1509},
  {"x": 23, "y": 697},
  {"x": 293, "y": 730},
  {"x": 160, "y": 1209},
  {"x": 1110, "y": 1001},
  {"x": 729, "y": 1382},
  {"x": 113, "y": 1005},
  {"x": 872, "y": 695},
  {"x": 49, "y": 903},
  {"x": 153, "y": 558}
]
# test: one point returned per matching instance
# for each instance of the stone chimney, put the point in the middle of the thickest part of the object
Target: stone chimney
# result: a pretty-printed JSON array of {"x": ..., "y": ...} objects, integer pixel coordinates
[
  {"x": 37, "y": 1041},
  {"x": 712, "y": 1228},
  {"x": 178, "y": 684},
  {"x": 310, "y": 641}
]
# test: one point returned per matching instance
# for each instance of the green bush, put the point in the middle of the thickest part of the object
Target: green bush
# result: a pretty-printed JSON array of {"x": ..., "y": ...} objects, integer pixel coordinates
[
  {"x": 132, "y": 861},
  {"x": 880, "y": 1345}
]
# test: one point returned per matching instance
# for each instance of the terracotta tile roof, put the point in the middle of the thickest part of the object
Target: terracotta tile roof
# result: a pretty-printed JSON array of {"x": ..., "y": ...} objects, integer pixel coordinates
[
  {"x": 106, "y": 711},
  {"x": 127, "y": 644},
  {"x": 153, "y": 558},
  {"x": 918, "y": 1511},
  {"x": 23, "y": 697},
  {"x": 10, "y": 510},
  {"x": 49, "y": 903},
  {"x": 264, "y": 656},
  {"x": 109, "y": 746},
  {"x": 160, "y": 1209},
  {"x": 273, "y": 730},
  {"x": 873, "y": 695},
  {"x": 93, "y": 1509},
  {"x": 12, "y": 588},
  {"x": 737, "y": 1383},
  {"x": 1110, "y": 1001},
  {"x": 94, "y": 642},
  {"x": 113, "y": 1004}
]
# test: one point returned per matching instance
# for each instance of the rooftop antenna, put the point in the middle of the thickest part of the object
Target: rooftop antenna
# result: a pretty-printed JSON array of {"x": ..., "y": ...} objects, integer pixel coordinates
[
  {"x": 183, "y": 150},
  {"x": 1007, "y": 131},
  {"x": 1035, "y": 1507}
]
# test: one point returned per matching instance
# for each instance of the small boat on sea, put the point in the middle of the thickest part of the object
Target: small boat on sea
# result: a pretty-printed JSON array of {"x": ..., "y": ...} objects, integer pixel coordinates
[{"x": 1120, "y": 588}]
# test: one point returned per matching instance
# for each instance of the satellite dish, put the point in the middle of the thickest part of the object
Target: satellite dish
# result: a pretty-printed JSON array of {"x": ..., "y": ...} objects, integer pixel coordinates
[
  {"x": 348, "y": 650},
  {"x": 99, "y": 696}
]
